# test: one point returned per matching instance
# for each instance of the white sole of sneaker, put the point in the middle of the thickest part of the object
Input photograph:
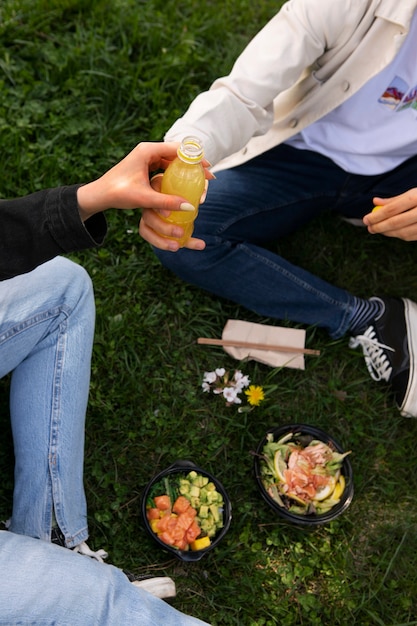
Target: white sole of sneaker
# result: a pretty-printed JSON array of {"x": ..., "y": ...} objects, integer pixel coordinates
[
  {"x": 161, "y": 586},
  {"x": 409, "y": 404}
]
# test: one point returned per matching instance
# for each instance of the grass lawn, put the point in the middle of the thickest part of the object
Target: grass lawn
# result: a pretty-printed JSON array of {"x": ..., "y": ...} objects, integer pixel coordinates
[{"x": 81, "y": 82}]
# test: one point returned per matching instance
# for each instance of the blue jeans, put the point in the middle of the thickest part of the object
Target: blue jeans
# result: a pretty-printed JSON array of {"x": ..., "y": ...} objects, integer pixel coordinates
[
  {"x": 46, "y": 334},
  {"x": 42, "y": 583},
  {"x": 260, "y": 202}
]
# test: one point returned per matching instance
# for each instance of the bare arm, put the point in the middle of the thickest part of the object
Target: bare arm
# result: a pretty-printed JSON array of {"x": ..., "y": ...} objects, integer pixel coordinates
[{"x": 127, "y": 185}]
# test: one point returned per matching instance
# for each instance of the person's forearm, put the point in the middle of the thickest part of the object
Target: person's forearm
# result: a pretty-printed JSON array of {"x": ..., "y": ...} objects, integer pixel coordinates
[
  {"x": 44, "y": 224},
  {"x": 92, "y": 199}
]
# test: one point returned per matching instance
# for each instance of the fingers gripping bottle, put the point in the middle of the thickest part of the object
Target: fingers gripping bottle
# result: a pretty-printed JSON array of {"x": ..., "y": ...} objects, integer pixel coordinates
[{"x": 185, "y": 177}]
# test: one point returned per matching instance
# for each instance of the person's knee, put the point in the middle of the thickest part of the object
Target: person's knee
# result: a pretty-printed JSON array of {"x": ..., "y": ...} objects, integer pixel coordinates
[
  {"x": 73, "y": 273},
  {"x": 74, "y": 278},
  {"x": 71, "y": 285},
  {"x": 185, "y": 263}
]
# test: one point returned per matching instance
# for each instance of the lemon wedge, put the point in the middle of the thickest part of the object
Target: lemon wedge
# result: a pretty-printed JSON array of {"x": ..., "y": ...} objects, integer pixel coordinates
[
  {"x": 340, "y": 487},
  {"x": 296, "y": 498},
  {"x": 279, "y": 465},
  {"x": 327, "y": 491}
]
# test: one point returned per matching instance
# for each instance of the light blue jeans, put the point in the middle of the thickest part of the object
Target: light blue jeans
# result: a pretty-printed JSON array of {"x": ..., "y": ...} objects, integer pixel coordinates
[
  {"x": 45, "y": 585},
  {"x": 47, "y": 322},
  {"x": 250, "y": 208}
]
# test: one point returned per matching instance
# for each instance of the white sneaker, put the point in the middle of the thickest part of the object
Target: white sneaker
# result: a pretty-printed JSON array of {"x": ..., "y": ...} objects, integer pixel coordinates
[
  {"x": 58, "y": 539},
  {"x": 161, "y": 587},
  {"x": 83, "y": 548}
]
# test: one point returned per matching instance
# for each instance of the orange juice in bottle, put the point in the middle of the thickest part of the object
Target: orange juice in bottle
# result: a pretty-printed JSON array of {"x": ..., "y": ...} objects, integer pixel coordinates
[{"x": 185, "y": 177}]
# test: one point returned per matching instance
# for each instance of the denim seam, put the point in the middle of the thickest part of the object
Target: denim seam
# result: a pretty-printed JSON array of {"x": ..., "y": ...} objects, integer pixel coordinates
[
  {"x": 33, "y": 321},
  {"x": 57, "y": 500},
  {"x": 41, "y": 317}
]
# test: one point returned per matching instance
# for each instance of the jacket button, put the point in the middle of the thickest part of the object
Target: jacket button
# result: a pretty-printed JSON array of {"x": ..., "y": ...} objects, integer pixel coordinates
[
  {"x": 346, "y": 85},
  {"x": 293, "y": 123}
]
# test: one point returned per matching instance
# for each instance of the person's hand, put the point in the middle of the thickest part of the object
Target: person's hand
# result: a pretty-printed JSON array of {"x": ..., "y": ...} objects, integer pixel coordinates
[
  {"x": 127, "y": 185},
  {"x": 156, "y": 231},
  {"x": 394, "y": 217}
]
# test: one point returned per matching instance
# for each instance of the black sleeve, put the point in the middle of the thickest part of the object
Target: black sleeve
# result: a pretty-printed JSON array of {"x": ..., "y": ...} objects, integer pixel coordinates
[{"x": 42, "y": 225}]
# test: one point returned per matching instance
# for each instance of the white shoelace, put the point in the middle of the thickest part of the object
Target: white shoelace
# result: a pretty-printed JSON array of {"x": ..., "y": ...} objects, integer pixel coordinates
[
  {"x": 374, "y": 352},
  {"x": 83, "y": 548}
]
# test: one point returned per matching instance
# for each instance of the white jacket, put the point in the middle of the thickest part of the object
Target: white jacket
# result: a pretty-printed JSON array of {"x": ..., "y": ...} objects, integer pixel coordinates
[{"x": 310, "y": 57}]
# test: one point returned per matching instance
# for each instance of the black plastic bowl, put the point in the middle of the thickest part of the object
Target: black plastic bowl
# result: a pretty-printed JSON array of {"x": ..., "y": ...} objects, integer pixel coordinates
[
  {"x": 184, "y": 467},
  {"x": 313, "y": 519}
]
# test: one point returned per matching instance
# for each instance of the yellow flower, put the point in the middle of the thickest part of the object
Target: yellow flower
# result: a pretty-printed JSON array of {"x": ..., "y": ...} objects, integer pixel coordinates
[{"x": 255, "y": 395}]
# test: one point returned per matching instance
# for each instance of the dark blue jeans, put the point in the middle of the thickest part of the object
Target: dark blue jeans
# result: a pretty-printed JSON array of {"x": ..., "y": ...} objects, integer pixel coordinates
[{"x": 259, "y": 202}]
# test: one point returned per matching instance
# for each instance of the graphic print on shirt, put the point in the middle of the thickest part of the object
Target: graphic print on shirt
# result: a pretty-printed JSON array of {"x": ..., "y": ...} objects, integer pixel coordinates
[{"x": 399, "y": 96}]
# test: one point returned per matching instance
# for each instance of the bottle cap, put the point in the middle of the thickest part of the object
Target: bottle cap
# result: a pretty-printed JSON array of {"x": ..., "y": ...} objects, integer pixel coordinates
[{"x": 191, "y": 150}]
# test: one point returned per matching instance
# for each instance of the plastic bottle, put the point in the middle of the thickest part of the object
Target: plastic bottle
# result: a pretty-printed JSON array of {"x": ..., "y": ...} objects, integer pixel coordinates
[{"x": 185, "y": 177}]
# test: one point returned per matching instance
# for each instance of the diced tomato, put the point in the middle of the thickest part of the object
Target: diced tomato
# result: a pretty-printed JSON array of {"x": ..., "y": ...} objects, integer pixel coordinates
[
  {"x": 163, "y": 503},
  {"x": 181, "y": 504}
]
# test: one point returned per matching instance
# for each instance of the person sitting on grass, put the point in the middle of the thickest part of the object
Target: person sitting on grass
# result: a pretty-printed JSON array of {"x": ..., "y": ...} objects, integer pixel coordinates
[
  {"x": 317, "y": 114},
  {"x": 47, "y": 320}
]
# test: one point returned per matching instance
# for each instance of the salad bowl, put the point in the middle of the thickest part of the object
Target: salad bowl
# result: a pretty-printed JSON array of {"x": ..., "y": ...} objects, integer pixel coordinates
[
  {"x": 186, "y": 510},
  {"x": 303, "y": 474}
]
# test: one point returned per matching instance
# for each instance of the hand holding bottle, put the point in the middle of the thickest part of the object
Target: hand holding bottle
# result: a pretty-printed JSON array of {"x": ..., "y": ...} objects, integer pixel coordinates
[
  {"x": 185, "y": 177},
  {"x": 172, "y": 230}
]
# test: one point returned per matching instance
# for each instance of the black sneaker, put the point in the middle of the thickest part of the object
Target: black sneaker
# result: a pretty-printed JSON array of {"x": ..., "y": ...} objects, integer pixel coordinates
[
  {"x": 389, "y": 346},
  {"x": 57, "y": 537},
  {"x": 160, "y": 586}
]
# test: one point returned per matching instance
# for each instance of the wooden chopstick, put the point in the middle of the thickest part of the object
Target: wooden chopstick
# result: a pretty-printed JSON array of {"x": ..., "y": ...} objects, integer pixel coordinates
[{"x": 255, "y": 346}]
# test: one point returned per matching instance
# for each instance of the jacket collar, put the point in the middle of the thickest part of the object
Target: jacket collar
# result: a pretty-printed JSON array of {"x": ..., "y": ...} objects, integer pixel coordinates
[{"x": 397, "y": 11}]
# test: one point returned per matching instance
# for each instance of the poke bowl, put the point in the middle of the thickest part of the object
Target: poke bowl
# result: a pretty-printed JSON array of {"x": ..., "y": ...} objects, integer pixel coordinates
[
  {"x": 303, "y": 474},
  {"x": 186, "y": 510}
]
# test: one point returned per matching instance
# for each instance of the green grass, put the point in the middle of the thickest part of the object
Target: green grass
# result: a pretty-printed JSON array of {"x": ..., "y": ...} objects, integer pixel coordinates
[{"x": 81, "y": 83}]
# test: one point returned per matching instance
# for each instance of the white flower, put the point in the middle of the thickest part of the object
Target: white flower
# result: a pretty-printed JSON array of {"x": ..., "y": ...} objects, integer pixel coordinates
[
  {"x": 230, "y": 394},
  {"x": 209, "y": 377},
  {"x": 241, "y": 381},
  {"x": 220, "y": 382}
]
